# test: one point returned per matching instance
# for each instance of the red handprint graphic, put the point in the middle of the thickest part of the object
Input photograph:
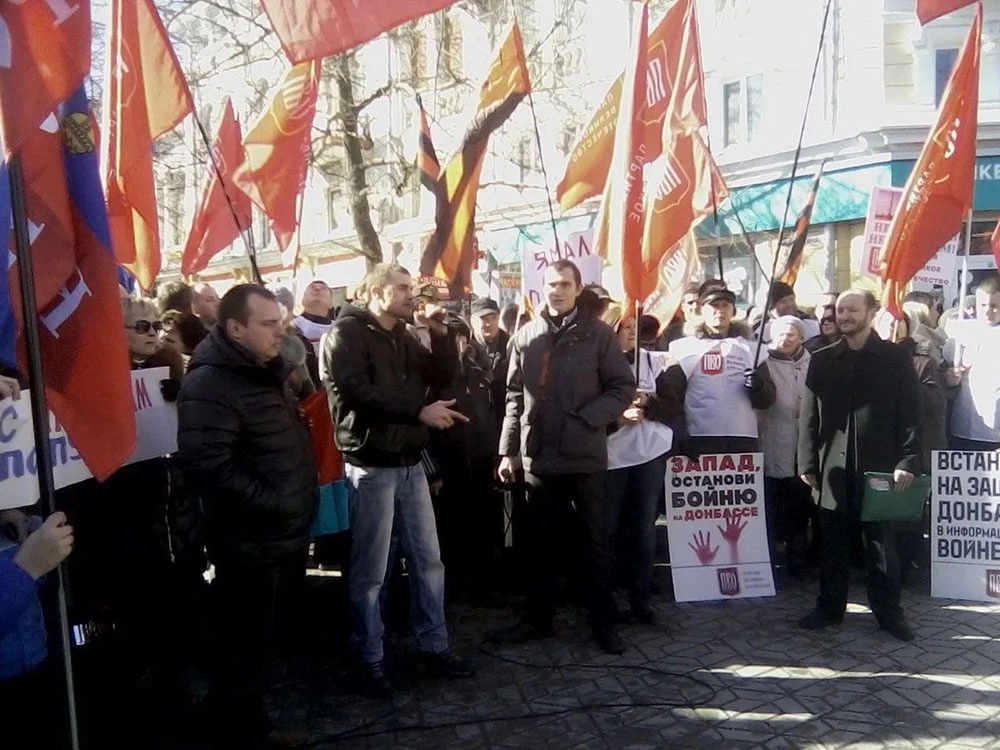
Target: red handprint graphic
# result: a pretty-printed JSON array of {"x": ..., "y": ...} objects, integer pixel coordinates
[
  {"x": 734, "y": 528},
  {"x": 702, "y": 547}
]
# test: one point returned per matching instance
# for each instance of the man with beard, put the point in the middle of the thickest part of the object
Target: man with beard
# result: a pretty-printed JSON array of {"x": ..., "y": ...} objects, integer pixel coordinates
[{"x": 860, "y": 413}]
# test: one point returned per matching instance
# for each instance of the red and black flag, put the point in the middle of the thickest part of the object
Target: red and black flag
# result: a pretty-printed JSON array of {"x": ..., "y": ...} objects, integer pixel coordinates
[
  {"x": 427, "y": 160},
  {"x": 450, "y": 253},
  {"x": 791, "y": 272}
]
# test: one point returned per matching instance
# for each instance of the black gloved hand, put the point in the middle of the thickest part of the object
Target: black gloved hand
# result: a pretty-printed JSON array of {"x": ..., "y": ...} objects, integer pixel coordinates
[
  {"x": 752, "y": 380},
  {"x": 170, "y": 388}
]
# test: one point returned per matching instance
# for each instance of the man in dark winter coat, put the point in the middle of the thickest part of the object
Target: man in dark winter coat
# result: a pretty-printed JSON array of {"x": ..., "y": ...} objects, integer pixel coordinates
[
  {"x": 860, "y": 412},
  {"x": 378, "y": 378},
  {"x": 568, "y": 381},
  {"x": 485, "y": 320},
  {"x": 245, "y": 449}
]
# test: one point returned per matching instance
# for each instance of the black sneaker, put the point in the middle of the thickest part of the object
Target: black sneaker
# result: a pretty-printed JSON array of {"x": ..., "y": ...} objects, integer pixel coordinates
[
  {"x": 608, "y": 639},
  {"x": 444, "y": 664},
  {"x": 523, "y": 632},
  {"x": 373, "y": 682},
  {"x": 817, "y": 620},
  {"x": 898, "y": 628}
]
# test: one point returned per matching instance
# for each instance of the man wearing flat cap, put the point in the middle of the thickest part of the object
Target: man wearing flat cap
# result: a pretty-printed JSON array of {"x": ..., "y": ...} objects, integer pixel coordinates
[
  {"x": 485, "y": 319},
  {"x": 714, "y": 384}
]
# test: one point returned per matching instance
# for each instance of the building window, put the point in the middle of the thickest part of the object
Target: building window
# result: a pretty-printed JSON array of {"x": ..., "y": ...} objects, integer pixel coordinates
[
  {"x": 944, "y": 61},
  {"x": 732, "y": 121},
  {"x": 333, "y": 196},
  {"x": 743, "y": 110},
  {"x": 263, "y": 238},
  {"x": 526, "y": 156},
  {"x": 568, "y": 138}
]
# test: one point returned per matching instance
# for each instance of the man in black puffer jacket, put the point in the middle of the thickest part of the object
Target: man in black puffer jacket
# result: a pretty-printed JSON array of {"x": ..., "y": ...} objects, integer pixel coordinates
[{"x": 246, "y": 451}]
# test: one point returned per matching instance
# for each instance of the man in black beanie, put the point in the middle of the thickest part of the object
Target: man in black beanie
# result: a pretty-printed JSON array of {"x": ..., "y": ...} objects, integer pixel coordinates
[{"x": 781, "y": 301}]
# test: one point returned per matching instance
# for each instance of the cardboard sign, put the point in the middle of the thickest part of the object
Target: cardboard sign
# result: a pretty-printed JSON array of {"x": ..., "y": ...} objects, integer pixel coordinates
[
  {"x": 965, "y": 525},
  {"x": 577, "y": 248},
  {"x": 156, "y": 435},
  {"x": 717, "y": 527}
]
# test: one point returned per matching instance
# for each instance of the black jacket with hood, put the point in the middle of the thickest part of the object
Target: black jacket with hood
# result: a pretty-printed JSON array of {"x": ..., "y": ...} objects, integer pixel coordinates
[
  {"x": 377, "y": 384},
  {"x": 244, "y": 447}
]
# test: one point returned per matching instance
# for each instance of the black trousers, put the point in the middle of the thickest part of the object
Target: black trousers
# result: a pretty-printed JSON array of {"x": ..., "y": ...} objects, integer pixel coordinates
[
  {"x": 250, "y": 601},
  {"x": 881, "y": 565},
  {"x": 563, "y": 511},
  {"x": 789, "y": 510}
]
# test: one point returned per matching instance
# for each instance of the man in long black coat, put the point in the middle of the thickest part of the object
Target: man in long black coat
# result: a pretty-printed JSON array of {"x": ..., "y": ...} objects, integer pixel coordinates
[{"x": 860, "y": 412}]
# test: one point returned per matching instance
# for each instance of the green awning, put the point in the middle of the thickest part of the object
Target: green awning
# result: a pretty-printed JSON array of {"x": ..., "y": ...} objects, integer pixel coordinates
[
  {"x": 843, "y": 196},
  {"x": 507, "y": 245}
]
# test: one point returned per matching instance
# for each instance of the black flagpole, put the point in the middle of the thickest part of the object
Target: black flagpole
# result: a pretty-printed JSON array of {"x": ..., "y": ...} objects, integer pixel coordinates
[
  {"x": 40, "y": 414},
  {"x": 791, "y": 181}
]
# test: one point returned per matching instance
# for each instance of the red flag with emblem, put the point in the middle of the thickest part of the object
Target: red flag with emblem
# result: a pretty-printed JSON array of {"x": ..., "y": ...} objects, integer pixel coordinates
[
  {"x": 224, "y": 210},
  {"x": 938, "y": 193},
  {"x": 313, "y": 29},
  {"x": 44, "y": 56},
  {"x": 590, "y": 160},
  {"x": 145, "y": 95},
  {"x": 276, "y": 155}
]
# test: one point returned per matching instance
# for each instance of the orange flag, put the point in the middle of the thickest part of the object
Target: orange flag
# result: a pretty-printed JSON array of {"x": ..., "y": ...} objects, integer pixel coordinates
[
  {"x": 145, "y": 95},
  {"x": 684, "y": 181},
  {"x": 450, "y": 252},
  {"x": 618, "y": 237},
  {"x": 273, "y": 172},
  {"x": 224, "y": 210},
  {"x": 938, "y": 193},
  {"x": 590, "y": 160}
]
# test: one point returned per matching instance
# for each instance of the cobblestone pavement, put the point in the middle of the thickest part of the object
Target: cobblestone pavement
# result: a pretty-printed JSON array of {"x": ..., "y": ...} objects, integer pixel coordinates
[{"x": 728, "y": 674}]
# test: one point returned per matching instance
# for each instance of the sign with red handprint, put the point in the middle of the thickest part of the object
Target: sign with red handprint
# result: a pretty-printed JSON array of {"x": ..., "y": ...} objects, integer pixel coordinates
[{"x": 717, "y": 527}]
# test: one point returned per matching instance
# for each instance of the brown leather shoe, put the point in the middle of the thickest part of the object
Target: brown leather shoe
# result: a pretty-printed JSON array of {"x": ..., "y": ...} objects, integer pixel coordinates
[{"x": 279, "y": 738}]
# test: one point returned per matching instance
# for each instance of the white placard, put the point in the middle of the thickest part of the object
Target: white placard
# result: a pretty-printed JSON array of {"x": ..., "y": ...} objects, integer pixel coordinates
[
  {"x": 578, "y": 247},
  {"x": 717, "y": 527},
  {"x": 965, "y": 525},
  {"x": 881, "y": 208},
  {"x": 942, "y": 269},
  {"x": 156, "y": 435}
]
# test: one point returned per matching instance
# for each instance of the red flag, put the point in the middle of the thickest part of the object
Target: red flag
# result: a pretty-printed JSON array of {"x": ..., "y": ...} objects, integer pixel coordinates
[
  {"x": 619, "y": 230},
  {"x": 938, "y": 193},
  {"x": 313, "y": 29},
  {"x": 44, "y": 56},
  {"x": 84, "y": 355},
  {"x": 928, "y": 10},
  {"x": 590, "y": 160},
  {"x": 224, "y": 210},
  {"x": 273, "y": 172},
  {"x": 684, "y": 181},
  {"x": 145, "y": 95}
]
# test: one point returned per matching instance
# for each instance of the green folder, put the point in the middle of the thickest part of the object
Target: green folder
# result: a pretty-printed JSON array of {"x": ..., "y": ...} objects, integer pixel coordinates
[{"x": 882, "y": 503}]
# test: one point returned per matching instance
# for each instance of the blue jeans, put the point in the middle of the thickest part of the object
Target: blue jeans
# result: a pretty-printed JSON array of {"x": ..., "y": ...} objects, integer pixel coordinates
[{"x": 383, "y": 501}]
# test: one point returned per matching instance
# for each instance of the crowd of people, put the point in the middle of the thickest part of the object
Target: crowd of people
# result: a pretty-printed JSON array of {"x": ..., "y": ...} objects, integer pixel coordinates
[{"x": 480, "y": 447}]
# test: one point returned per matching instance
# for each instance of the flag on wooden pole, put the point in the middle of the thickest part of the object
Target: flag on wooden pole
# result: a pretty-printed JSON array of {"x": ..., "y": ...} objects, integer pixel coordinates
[{"x": 938, "y": 194}]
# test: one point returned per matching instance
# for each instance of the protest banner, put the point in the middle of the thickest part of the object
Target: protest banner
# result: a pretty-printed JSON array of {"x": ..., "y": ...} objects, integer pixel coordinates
[
  {"x": 940, "y": 270},
  {"x": 965, "y": 525},
  {"x": 717, "y": 527},
  {"x": 578, "y": 247},
  {"x": 156, "y": 435}
]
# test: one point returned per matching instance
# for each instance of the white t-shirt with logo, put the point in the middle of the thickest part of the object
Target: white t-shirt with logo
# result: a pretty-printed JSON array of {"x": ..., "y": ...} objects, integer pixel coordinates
[
  {"x": 716, "y": 403},
  {"x": 635, "y": 444}
]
